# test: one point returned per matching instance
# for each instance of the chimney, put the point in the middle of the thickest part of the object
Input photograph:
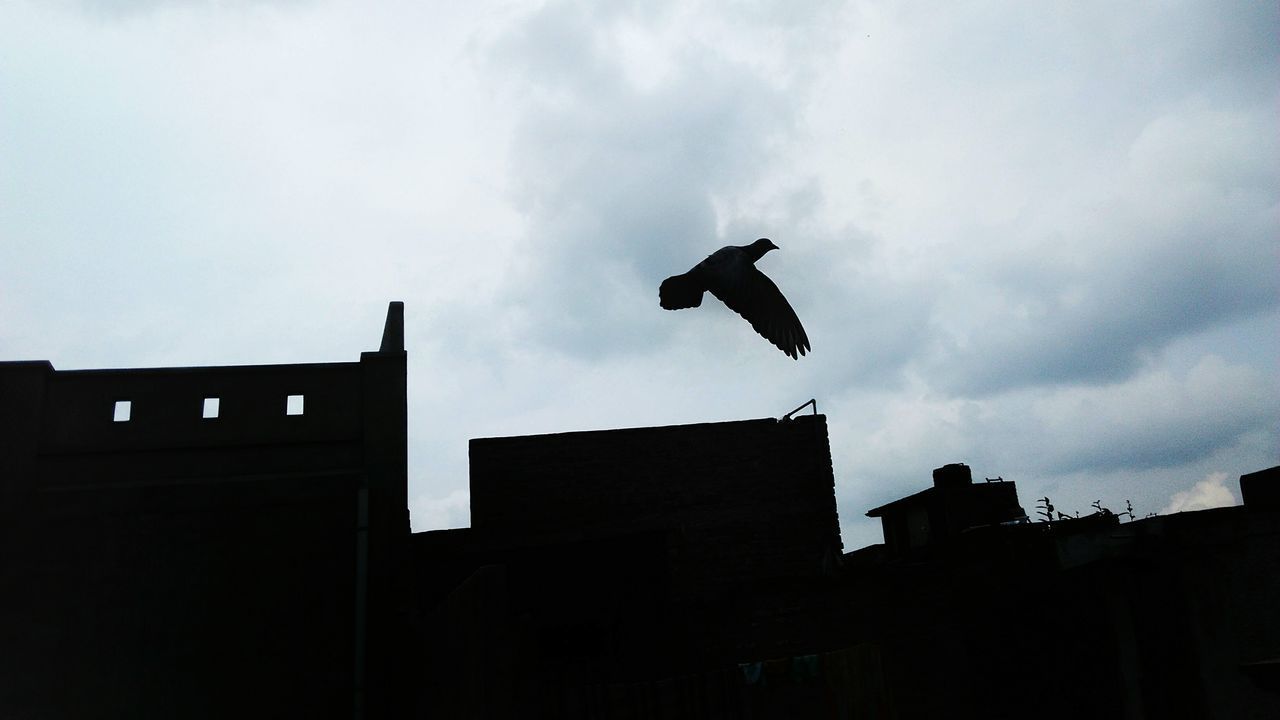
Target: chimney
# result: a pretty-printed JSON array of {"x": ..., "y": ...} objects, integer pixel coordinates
[{"x": 955, "y": 475}]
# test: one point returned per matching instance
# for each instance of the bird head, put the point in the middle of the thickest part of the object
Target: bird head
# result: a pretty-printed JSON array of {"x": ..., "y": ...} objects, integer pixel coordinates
[{"x": 760, "y": 247}]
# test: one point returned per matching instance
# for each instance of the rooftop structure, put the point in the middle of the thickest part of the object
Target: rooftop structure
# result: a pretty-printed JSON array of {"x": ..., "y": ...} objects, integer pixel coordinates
[{"x": 953, "y": 505}]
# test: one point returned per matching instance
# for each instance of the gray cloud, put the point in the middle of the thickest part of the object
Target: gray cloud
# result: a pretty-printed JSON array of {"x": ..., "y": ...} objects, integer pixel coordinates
[
  {"x": 1185, "y": 243},
  {"x": 1156, "y": 421},
  {"x": 1141, "y": 438},
  {"x": 616, "y": 180}
]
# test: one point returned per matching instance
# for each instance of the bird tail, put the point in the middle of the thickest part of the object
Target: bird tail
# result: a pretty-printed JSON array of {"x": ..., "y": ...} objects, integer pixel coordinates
[{"x": 680, "y": 291}]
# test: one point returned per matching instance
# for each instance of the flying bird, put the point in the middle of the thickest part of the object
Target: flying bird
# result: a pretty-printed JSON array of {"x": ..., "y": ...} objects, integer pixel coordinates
[{"x": 730, "y": 274}]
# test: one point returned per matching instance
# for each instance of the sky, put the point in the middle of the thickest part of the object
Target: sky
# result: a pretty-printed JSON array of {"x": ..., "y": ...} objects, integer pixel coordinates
[{"x": 1037, "y": 238}]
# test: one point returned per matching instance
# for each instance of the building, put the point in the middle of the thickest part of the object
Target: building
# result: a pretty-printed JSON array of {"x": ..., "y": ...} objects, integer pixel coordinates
[
  {"x": 1167, "y": 616},
  {"x": 202, "y": 542},
  {"x": 612, "y": 562}
]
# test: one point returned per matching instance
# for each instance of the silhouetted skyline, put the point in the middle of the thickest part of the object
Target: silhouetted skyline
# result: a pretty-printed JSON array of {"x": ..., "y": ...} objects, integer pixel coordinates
[{"x": 174, "y": 531}]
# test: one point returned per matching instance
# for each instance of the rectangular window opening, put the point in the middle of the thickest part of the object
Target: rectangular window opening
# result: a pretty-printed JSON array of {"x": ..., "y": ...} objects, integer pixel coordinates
[
  {"x": 210, "y": 409},
  {"x": 123, "y": 410},
  {"x": 293, "y": 405}
]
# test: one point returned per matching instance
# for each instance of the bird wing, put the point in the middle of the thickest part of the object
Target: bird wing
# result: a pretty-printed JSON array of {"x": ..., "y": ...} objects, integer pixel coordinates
[{"x": 751, "y": 294}]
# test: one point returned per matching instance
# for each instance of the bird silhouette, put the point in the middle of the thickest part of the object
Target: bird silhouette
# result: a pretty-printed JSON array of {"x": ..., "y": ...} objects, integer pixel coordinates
[{"x": 730, "y": 274}]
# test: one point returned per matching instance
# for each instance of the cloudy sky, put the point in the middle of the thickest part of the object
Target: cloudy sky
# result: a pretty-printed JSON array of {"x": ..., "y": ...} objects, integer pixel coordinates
[{"x": 1039, "y": 238}]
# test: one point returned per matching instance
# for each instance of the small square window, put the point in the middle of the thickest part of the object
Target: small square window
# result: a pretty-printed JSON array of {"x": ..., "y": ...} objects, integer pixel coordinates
[
  {"x": 210, "y": 409},
  {"x": 123, "y": 409},
  {"x": 293, "y": 405}
]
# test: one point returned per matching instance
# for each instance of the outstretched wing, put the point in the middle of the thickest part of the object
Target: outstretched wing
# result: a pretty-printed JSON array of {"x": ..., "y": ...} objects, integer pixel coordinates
[{"x": 753, "y": 295}]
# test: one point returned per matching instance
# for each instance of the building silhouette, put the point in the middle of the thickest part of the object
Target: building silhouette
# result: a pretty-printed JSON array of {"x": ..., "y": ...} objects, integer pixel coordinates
[
  {"x": 234, "y": 541},
  {"x": 202, "y": 542}
]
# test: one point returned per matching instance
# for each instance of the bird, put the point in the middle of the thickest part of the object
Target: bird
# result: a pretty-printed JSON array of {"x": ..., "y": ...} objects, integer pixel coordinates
[{"x": 730, "y": 274}]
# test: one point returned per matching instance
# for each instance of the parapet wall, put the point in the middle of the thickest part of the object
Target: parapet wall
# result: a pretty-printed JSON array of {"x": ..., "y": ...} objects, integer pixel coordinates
[
  {"x": 167, "y": 407},
  {"x": 93, "y": 427}
]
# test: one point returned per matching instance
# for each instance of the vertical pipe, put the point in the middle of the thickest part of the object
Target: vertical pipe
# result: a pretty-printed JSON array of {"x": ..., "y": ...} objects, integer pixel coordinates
[{"x": 362, "y": 590}]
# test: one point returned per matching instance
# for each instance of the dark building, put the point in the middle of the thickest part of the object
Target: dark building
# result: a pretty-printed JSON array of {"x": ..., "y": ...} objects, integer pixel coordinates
[
  {"x": 619, "y": 560},
  {"x": 1168, "y": 616},
  {"x": 202, "y": 542},
  {"x": 214, "y": 542},
  {"x": 928, "y": 519}
]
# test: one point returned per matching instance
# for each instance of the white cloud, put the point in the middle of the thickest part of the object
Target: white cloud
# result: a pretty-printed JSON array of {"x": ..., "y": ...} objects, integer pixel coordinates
[
  {"x": 1210, "y": 492},
  {"x": 451, "y": 511}
]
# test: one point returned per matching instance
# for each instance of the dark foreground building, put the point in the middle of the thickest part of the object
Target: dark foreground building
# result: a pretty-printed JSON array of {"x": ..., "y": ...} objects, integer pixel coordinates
[
  {"x": 202, "y": 542},
  {"x": 233, "y": 542}
]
